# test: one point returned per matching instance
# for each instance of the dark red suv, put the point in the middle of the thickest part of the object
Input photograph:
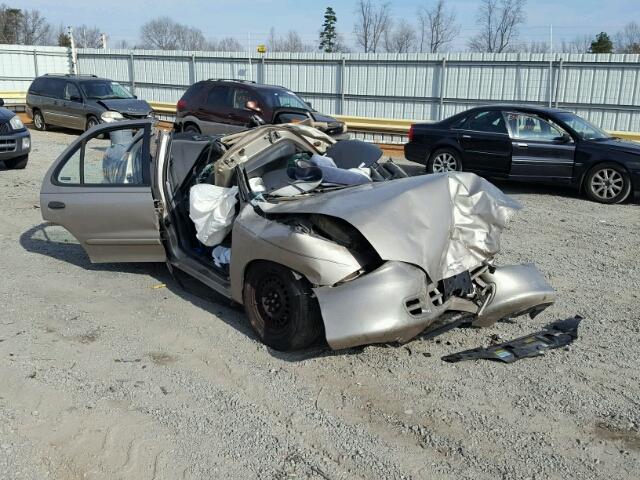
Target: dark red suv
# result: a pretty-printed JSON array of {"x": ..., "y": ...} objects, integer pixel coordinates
[{"x": 228, "y": 106}]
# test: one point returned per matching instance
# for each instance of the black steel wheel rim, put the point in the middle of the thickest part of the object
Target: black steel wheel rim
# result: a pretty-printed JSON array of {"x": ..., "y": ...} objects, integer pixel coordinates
[{"x": 274, "y": 302}]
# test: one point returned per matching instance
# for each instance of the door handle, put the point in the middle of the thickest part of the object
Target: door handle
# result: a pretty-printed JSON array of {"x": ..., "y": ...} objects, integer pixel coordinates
[
  {"x": 466, "y": 136},
  {"x": 56, "y": 205},
  {"x": 522, "y": 145}
]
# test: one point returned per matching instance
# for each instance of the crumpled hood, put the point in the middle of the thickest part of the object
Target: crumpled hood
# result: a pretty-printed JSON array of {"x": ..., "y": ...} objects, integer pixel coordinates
[
  {"x": 127, "y": 106},
  {"x": 445, "y": 223}
]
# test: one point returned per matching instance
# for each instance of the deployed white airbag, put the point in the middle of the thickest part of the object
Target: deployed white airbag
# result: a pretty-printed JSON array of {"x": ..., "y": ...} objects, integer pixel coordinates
[{"x": 212, "y": 210}]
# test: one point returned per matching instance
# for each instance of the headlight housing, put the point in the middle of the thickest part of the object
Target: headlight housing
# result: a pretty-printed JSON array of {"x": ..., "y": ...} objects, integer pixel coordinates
[
  {"x": 110, "y": 116},
  {"x": 16, "y": 123}
]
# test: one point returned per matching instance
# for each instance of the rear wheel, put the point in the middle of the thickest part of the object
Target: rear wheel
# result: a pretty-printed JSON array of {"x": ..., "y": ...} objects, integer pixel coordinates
[
  {"x": 191, "y": 128},
  {"x": 281, "y": 308},
  {"x": 38, "y": 121},
  {"x": 17, "y": 163},
  {"x": 444, "y": 160},
  {"x": 607, "y": 183}
]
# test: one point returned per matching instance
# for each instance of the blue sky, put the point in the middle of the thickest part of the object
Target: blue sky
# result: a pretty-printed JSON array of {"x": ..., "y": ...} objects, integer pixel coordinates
[{"x": 121, "y": 19}]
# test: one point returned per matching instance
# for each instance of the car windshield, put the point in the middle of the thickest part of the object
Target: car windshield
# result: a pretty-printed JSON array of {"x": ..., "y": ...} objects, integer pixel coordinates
[
  {"x": 104, "y": 89},
  {"x": 584, "y": 129},
  {"x": 285, "y": 98}
]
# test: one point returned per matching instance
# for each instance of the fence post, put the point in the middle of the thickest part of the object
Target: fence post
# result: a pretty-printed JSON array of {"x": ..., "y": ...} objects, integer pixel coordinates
[
  {"x": 263, "y": 72},
  {"x": 551, "y": 83},
  {"x": 443, "y": 71},
  {"x": 132, "y": 77},
  {"x": 343, "y": 71},
  {"x": 35, "y": 63},
  {"x": 192, "y": 73},
  {"x": 558, "y": 81}
]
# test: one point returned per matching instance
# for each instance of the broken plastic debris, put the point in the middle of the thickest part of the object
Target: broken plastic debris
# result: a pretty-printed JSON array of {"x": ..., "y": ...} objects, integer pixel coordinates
[
  {"x": 160, "y": 285},
  {"x": 555, "y": 335}
]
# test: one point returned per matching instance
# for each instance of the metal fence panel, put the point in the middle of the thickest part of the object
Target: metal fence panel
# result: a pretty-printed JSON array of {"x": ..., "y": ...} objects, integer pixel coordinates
[{"x": 603, "y": 88}]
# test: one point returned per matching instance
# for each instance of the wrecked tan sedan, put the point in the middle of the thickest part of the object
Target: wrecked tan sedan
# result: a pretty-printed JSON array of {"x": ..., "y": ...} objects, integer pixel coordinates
[{"x": 312, "y": 236}]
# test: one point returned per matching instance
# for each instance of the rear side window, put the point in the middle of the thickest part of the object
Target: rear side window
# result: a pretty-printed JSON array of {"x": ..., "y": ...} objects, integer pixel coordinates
[
  {"x": 490, "y": 121},
  {"x": 36, "y": 86},
  {"x": 218, "y": 96},
  {"x": 52, "y": 87},
  {"x": 119, "y": 159}
]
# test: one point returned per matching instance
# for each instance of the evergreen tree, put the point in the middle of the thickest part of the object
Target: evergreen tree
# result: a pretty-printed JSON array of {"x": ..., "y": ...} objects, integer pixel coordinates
[
  {"x": 64, "y": 40},
  {"x": 602, "y": 44},
  {"x": 328, "y": 35}
]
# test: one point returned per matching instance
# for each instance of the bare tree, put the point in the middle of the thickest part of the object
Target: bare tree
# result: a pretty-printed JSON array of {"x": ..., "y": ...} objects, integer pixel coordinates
[
  {"x": 165, "y": 34},
  {"x": 579, "y": 44},
  {"x": 87, "y": 37},
  {"x": 34, "y": 29},
  {"x": 227, "y": 44},
  {"x": 628, "y": 40},
  {"x": 499, "y": 21},
  {"x": 534, "y": 47},
  {"x": 371, "y": 23},
  {"x": 291, "y": 42},
  {"x": 10, "y": 20},
  {"x": 400, "y": 38},
  {"x": 437, "y": 26}
]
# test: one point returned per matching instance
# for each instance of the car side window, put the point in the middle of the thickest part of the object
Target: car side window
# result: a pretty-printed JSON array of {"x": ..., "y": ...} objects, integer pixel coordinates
[
  {"x": 71, "y": 92},
  {"x": 531, "y": 127},
  {"x": 55, "y": 88},
  {"x": 116, "y": 159},
  {"x": 240, "y": 98},
  {"x": 218, "y": 97},
  {"x": 490, "y": 121}
]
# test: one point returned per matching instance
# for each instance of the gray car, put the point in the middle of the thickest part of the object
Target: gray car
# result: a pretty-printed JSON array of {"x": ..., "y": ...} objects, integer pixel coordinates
[
  {"x": 370, "y": 256},
  {"x": 15, "y": 140},
  {"x": 81, "y": 102}
]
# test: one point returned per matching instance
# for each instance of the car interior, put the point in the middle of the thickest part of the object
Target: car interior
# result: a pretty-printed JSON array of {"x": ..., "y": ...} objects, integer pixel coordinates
[{"x": 192, "y": 161}]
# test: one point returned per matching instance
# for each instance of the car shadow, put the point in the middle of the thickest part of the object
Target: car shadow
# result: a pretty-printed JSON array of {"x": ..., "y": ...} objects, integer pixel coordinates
[{"x": 40, "y": 241}]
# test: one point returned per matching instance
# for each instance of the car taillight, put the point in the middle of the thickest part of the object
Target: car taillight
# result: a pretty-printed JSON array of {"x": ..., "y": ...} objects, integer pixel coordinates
[
  {"x": 411, "y": 132},
  {"x": 181, "y": 105}
]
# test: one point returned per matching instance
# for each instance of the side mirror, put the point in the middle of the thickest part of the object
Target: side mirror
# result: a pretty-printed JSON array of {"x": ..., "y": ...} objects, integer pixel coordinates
[
  {"x": 75, "y": 98},
  {"x": 565, "y": 138},
  {"x": 135, "y": 96},
  {"x": 1, "y": 102},
  {"x": 309, "y": 104},
  {"x": 252, "y": 105}
]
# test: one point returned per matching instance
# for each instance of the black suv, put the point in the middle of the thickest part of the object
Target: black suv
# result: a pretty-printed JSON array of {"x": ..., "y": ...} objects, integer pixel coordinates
[
  {"x": 80, "y": 101},
  {"x": 227, "y": 106}
]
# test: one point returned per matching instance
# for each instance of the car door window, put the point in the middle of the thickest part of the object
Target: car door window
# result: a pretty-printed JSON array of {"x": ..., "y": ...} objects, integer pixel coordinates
[
  {"x": 490, "y": 121},
  {"x": 240, "y": 98},
  {"x": 218, "y": 97},
  {"x": 71, "y": 92},
  {"x": 117, "y": 158},
  {"x": 531, "y": 127}
]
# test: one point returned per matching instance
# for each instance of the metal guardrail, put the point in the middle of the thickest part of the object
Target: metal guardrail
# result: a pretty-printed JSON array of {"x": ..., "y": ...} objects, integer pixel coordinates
[{"x": 354, "y": 124}]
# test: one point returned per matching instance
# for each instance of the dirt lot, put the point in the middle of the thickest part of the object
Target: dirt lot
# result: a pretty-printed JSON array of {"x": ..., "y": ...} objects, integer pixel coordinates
[{"x": 105, "y": 373}]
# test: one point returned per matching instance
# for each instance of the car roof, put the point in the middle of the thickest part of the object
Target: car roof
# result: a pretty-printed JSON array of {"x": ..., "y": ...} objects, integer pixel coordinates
[
  {"x": 246, "y": 83},
  {"x": 69, "y": 76},
  {"x": 522, "y": 108}
]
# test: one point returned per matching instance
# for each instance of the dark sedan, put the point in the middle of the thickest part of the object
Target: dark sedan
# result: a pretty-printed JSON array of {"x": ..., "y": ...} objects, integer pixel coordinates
[
  {"x": 15, "y": 141},
  {"x": 533, "y": 144}
]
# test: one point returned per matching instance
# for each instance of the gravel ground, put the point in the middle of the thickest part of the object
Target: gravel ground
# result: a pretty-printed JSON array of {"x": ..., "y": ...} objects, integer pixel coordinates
[{"x": 104, "y": 373}]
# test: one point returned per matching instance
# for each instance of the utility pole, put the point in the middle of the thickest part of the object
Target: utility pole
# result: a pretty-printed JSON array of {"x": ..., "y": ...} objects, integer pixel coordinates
[
  {"x": 551, "y": 38},
  {"x": 74, "y": 57}
]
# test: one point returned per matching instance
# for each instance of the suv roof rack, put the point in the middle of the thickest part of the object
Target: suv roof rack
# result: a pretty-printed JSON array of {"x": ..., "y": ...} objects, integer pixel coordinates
[
  {"x": 70, "y": 75},
  {"x": 230, "y": 80}
]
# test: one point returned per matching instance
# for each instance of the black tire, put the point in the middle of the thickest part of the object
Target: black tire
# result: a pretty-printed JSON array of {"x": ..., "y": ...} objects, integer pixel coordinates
[
  {"x": 18, "y": 163},
  {"x": 92, "y": 121},
  {"x": 607, "y": 183},
  {"x": 38, "y": 121},
  {"x": 192, "y": 128},
  {"x": 444, "y": 160},
  {"x": 281, "y": 308}
]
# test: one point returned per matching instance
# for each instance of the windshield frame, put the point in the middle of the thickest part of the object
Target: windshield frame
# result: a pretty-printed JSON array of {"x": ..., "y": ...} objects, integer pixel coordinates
[
  {"x": 565, "y": 117},
  {"x": 111, "y": 83}
]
